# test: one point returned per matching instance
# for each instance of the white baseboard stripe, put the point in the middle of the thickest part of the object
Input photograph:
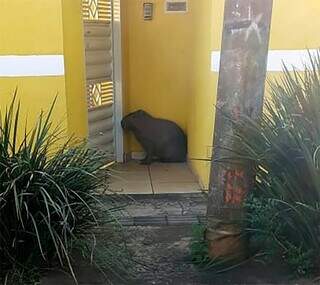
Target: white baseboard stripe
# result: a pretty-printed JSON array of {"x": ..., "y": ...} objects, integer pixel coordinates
[
  {"x": 215, "y": 61},
  {"x": 293, "y": 59},
  {"x": 31, "y": 65}
]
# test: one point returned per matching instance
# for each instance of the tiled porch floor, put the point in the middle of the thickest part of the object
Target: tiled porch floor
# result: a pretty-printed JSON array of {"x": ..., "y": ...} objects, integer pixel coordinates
[{"x": 158, "y": 178}]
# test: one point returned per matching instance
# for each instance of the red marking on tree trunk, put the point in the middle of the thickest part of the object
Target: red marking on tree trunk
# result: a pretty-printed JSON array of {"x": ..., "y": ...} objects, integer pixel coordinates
[{"x": 235, "y": 187}]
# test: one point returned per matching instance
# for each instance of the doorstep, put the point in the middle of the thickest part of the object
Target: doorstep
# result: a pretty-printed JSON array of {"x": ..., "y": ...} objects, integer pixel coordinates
[{"x": 158, "y": 178}]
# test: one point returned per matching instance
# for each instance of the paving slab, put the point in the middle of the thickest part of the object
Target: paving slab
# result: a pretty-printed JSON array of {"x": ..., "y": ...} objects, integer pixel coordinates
[
  {"x": 171, "y": 172},
  {"x": 158, "y": 178},
  {"x": 165, "y": 205},
  {"x": 175, "y": 187}
]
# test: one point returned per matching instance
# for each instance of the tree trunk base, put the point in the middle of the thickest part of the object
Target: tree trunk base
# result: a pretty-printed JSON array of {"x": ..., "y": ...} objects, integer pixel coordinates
[{"x": 227, "y": 242}]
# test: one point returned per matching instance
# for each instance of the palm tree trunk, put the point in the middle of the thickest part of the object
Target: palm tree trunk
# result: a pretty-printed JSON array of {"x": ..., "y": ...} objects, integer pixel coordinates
[{"x": 240, "y": 92}]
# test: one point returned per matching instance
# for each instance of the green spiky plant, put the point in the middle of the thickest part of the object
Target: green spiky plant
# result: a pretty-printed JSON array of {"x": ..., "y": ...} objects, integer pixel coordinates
[
  {"x": 283, "y": 210},
  {"x": 49, "y": 200}
]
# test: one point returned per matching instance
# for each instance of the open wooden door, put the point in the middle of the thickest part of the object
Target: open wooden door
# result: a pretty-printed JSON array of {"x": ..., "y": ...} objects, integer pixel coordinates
[{"x": 98, "y": 36}]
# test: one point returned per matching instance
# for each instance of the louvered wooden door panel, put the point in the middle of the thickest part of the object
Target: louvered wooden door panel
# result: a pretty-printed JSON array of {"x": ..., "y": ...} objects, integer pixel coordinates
[{"x": 97, "y": 16}]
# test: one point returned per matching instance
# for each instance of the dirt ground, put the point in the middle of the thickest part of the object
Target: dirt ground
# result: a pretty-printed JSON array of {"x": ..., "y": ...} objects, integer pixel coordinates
[
  {"x": 159, "y": 243},
  {"x": 165, "y": 250}
]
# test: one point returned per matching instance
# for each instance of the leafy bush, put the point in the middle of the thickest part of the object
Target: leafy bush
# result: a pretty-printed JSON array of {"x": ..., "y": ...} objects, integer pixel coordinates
[
  {"x": 284, "y": 147},
  {"x": 272, "y": 238},
  {"x": 48, "y": 197},
  {"x": 199, "y": 247}
]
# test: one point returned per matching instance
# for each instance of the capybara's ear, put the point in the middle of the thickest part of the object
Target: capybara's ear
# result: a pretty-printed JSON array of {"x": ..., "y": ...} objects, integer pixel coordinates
[{"x": 123, "y": 124}]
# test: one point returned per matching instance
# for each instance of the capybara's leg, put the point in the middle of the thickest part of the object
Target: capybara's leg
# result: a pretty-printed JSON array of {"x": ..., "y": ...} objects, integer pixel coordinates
[{"x": 149, "y": 157}]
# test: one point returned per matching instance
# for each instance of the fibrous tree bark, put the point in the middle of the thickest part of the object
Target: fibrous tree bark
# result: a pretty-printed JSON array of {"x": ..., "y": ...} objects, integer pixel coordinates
[{"x": 241, "y": 87}]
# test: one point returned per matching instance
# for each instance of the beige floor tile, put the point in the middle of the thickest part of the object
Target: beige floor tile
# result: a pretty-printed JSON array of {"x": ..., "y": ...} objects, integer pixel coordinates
[
  {"x": 130, "y": 176},
  {"x": 171, "y": 173},
  {"x": 162, "y": 166},
  {"x": 132, "y": 187},
  {"x": 130, "y": 172},
  {"x": 133, "y": 178},
  {"x": 130, "y": 166},
  {"x": 176, "y": 187}
]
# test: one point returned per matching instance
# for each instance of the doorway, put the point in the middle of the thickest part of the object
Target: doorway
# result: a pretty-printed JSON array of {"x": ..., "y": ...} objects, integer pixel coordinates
[{"x": 102, "y": 37}]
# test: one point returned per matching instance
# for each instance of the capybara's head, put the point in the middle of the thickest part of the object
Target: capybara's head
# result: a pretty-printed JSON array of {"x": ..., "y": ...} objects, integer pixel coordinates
[{"x": 133, "y": 119}]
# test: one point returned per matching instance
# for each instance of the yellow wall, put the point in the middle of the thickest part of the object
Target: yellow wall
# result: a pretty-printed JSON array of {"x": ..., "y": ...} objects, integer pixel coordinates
[
  {"x": 294, "y": 28},
  {"x": 73, "y": 46},
  {"x": 167, "y": 69},
  {"x": 207, "y": 30},
  {"x": 167, "y": 62},
  {"x": 295, "y": 24},
  {"x": 28, "y": 28},
  {"x": 157, "y": 62},
  {"x": 47, "y": 27}
]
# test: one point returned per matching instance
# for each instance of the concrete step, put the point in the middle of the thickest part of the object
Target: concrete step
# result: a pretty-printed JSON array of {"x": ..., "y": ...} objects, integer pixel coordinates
[{"x": 165, "y": 220}]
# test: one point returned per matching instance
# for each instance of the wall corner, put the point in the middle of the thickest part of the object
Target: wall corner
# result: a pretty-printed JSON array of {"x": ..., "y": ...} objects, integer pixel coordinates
[{"x": 74, "y": 56}]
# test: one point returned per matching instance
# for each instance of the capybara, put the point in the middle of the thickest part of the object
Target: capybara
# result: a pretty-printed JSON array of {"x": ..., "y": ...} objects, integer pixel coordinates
[{"x": 162, "y": 140}]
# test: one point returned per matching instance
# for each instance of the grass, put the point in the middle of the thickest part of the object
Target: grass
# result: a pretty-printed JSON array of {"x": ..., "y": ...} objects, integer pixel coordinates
[{"x": 49, "y": 199}]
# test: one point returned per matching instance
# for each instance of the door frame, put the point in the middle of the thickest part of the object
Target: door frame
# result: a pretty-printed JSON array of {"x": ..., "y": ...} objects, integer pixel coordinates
[{"x": 117, "y": 80}]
